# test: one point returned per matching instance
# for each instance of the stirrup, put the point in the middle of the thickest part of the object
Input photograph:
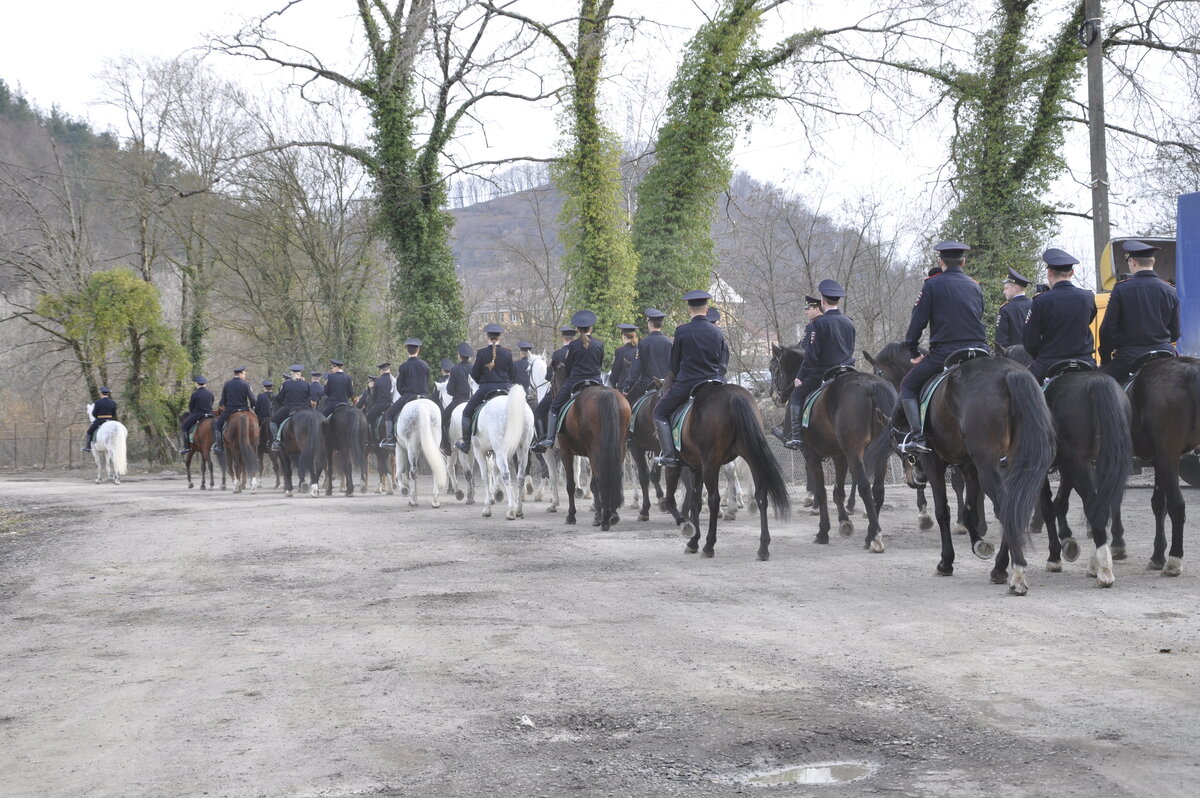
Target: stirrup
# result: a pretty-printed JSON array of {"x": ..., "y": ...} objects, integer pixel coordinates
[
  {"x": 778, "y": 433},
  {"x": 795, "y": 444},
  {"x": 542, "y": 446},
  {"x": 185, "y": 450},
  {"x": 667, "y": 460},
  {"x": 914, "y": 445},
  {"x": 462, "y": 446},
  {"x": 85, "y": 449}
]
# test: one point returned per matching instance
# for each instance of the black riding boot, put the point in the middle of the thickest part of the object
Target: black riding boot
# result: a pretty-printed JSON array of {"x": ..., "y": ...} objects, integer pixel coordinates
[
  {"x": 464, "y": 445},
  {"x": 218, "y": 434},
  {"x": 87, "y": 446},
  {"x": 547, "y": 440},
  {"x": 669, "y": 457},
  {"x": 389, "y": 425},
  {"x": 784, "y": 431},
  {"x": 794, "y": 442},
  {"x": 915, "y": 442}
]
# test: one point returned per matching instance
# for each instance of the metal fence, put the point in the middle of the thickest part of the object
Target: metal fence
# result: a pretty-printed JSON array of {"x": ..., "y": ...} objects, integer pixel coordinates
[{"x": 54, "y": 446}]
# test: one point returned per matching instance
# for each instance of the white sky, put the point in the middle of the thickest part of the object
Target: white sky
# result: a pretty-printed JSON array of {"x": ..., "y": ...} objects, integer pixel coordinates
[{"x": 53, "y": 49}]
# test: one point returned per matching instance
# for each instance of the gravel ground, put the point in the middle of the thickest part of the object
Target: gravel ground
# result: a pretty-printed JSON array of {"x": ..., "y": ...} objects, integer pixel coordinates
[{"x": 156, "y": 641}]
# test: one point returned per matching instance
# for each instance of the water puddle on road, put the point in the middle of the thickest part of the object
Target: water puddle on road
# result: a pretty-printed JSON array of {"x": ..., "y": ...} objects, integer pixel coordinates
[{"x": 821, "y": 773}]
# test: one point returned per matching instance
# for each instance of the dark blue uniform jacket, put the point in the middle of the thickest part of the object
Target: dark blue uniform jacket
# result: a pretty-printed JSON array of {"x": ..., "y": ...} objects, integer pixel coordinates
[
  {"x": 237, "y": 395},
  {"x": 339, "y": 389},
  {"x": 1059, "y": 324},
  {"x": 316, "y": 391},
  {"x": 830, "y": 343},
  {"x": 381, "y": 393},
  {"x": 653, "y": 358},
  {"x": 262, "y": 406},
  {"x": 201, "y": 402},
  {"x": 458, "y": 384},
  {"x": 584, "y": 363},
  {"x": 1142, "y": 314},
  {"x": 623, "y": 359},
  {"x": 412, "y": 378},
  {"x": 951, "y": 305},
  {"x": 104, "y": 406},
  {"x": 521, "y": 371},
  {"x": 500, "y": 375},
  {"x": 292, "y": 393},
  {"x": 698, "y": 353},
  {"x": 1010, "y": 321}
]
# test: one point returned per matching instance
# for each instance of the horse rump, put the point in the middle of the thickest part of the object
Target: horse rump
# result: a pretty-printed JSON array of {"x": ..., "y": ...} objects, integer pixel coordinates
[
  {"x": 754, "y": 448},
  {"x": 1032, "y": 453}
]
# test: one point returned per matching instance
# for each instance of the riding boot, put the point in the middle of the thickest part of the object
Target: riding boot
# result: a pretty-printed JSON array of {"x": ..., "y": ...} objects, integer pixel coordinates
[
  {"x": 390, "y": 434},
  {"x": 915, "y": 442},
  {"x": 87, "y": 447},
  {"x": 669, "y": 457},
  {"x": 274, "y": 437},
  {"x": 464, "y": 445},
  {"x": 794, "y": 442},
  {"x": 547, "y": 440}
]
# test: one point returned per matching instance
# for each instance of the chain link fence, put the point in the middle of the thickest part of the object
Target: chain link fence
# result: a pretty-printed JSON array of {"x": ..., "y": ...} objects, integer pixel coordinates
[{"x": 37, "y": 446}]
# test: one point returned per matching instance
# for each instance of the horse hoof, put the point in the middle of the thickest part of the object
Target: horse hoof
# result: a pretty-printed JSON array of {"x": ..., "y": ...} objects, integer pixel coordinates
[
  {"x": 552, "y": 509},
  {"x": 821, "y": 538},
  {"x": 287, "y": 493},
  {"x": 885, "y": 506},
  {"x": 926, "y": 523},
  {"x": 189, "y": 486},
  {"x": 412, "y": 502},
  {"x": 498, "y": 496},
  {"x": 1155, "y": 566},
  {"x": 1018, "y": 589},
  {"x": 520, "y": 513},
  {"x": 1053, "y": 567},
  {"x": 458, "y": 494},
  {"x": 690, "y": 549},
  {"x": 643, "y": 516},
  {"x": 404, "y": 491},
  {"x": 808, "y": 500},
  {"x": 510, "y": 516},
  {"x": 1070, "y": 549},
  {"x": 487, "y": 513},
  {"x": 615, "y": 519},
  {"x": 470, "y": 501},
  {"x": 960, "y": 529},
  {"x": 763, "y": 556},
  {"x": 687, "y": 530},
  {"x": 708, "y": 554},
  {"x": 998, "y": 577},
  {"x": 1118, "y": 552},
  {"x": 944, "y": 570},
  {"x": 313, "y": 493},
  {"x": 595, "y": 522},
  {"x": 846, "y": 528},
  {"x": 983, "y": 549},
  {"x": 1174, "y": 566},
  {"x": 729, "y": 515},
  {"x": 604, "y": 527},
  {"x": 222, "y": 487},
  {"x": 877, "y": 546},
  {"x": 570, "y": 520}
]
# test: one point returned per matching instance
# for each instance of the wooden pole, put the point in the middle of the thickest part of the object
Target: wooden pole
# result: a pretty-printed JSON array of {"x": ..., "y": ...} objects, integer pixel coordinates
[{"x": 1092, "y": 36}]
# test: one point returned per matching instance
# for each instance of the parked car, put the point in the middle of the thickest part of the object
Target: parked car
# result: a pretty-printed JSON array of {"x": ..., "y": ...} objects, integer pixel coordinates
[{"x": 758, "y": 383}]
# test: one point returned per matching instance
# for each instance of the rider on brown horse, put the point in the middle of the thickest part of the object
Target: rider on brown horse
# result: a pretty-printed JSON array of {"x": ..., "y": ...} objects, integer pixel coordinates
[
  {"x": 584, "y": 359},
  {"x": 235, "y": 395},
  {"x": 830, "y": 343},
  {"x": 812, "y": 311},
  {"x": 951, "y": 305},
  {"x": 652, "y": 360},
  {"x": 200, "y": 405}
]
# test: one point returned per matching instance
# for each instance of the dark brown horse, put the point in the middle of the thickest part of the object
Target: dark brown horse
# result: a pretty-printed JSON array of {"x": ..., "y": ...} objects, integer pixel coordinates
[
  {"x": 201, "y": 444},
  {"x": 241, "y": 442},
  {"x": 643, "y": 444},
  {"x": 595, "y": 427},
  {"x": 345, "y": 442},
  {"x": 303, "y": 444},
  {"x": 987, "y": 409},
  {"x": 725, "y": 424},
  {"x": 266, "y": 454},
  {"x": 1166, "y": 425}
]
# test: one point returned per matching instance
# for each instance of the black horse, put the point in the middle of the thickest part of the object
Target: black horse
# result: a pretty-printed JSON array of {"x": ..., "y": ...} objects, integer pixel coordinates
[
  {"x": 849, "y": 423},
  {"x": 345, "y": 442},
  {"x": 643, "y": 445},
  {"x": 724, "y": 424},
  {"x": 303, "y": 450},
  {"x": 1166, "y": 425}
]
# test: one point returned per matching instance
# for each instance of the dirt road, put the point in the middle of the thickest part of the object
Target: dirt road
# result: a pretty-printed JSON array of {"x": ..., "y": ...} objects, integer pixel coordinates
[{"x": 156, "y": 641}]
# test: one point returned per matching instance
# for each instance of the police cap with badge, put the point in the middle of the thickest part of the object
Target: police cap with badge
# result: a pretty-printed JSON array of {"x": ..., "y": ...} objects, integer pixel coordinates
[
  {"x": 1016, "y": 278},
  {"x": 654, "y": 313},
  {"x": 1058, "y": 260}
]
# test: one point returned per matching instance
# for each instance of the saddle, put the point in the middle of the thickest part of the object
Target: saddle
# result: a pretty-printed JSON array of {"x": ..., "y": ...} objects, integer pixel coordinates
[
  {"x": 487, "y": 397},
  {"x": 828, "y": 377},
  {"x": 587, "y": 383},
  {"x": 956, "y": 359},
  {"x": 1066, "y": 367},
  {"x": 633, "y": 411},
  {"x": 1139, "y": 364}
]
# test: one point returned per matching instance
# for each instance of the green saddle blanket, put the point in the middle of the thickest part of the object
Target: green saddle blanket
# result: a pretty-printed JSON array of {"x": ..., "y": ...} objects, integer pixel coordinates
[
  {"x": 806, "y": 414},
  {"x": 677, "y": 421},
  {"x": 928, "y": 389},
  {"x": 633, "y": 412}
]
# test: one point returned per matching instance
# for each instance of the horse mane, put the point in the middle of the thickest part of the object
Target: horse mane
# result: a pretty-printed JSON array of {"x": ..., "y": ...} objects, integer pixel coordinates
[{"x": 894, "y": 350}]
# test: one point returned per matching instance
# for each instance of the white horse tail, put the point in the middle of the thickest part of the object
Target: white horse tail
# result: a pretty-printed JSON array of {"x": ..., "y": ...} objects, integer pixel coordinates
[
  {"x": 117, "y": 445},
  {"x": 514, "y": 426},
  {"x": 427, "y": 422}
]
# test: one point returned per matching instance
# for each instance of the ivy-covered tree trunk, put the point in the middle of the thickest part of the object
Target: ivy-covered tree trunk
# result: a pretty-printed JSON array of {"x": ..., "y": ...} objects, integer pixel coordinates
[{"x": 599, "y": 259}]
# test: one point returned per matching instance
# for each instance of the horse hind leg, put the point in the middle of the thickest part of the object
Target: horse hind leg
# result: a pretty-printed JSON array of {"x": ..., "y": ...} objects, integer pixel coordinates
[
  {"x": 820, "y": 501},
  {"x": 845, "y": 525},
  {"x": 712, "y": 483}
]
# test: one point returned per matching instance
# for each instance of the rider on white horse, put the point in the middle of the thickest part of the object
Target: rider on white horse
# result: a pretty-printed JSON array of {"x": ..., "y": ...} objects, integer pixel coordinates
[
  {"x": 493, "y": 370},
  {"x": 105, "y": 409},
  {"x": 412, "y": 382}
]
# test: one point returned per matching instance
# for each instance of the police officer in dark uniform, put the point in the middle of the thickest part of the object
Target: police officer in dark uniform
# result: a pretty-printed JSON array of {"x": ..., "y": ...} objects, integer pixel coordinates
[
  {"x": 262, "y": 409},
  {"x": 103, "y": 409},
  {"x": 1059, "y": 325},
  {"x": 236, "y": 395},
  {"x": 522, "y": 365},
  {"x": 830, "y": 343},
  {"x": 199, "y": 405},
  {"x": 492, "y": 371},
  {"x": 339, "y": 387},
  {"x": 458, "y": 386},
  {"x": 623, "y": 357},
  {"x": 316, "y": 391},
  {"x": 951, "y": 305},
  {"x": 381, "y": 396},
  {"x": 364, "y": 399},
  {"x": 812, "y": 310},
  {"x": 1142, "y": 314},
  {"x": 293, "y": 395},
  {"x": 714, "y": 316},
  {"x": 558, "y": 360},
  {"x": 585, "y": 361},
  {"x": 652, "y": 360},
  {"x": 412, "y": 381},
  {"x": 1010, "y": 320},
  {"x": 698, "y": 353}
]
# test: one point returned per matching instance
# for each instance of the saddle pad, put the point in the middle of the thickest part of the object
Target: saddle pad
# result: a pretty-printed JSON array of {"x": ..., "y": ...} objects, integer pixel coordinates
[
  {"x": 562, "y": 414},
  {"x": 492, "y": 395},
  {"x": 636, "y": 406},
  {"x": 810, "y": 401},
  {"x": 928, "y": 389},
  {"x": 279, "y": 432},
  {"x": 677, "y": 420}
]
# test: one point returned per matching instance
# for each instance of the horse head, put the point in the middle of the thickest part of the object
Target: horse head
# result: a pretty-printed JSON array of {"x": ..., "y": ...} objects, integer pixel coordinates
[
  {"x": 892, "y": 362},
  {"x": 785, "y": 363}
]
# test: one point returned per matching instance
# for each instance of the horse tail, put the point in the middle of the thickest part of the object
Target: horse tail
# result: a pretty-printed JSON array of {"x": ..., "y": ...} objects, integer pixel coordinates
[
  {"x": 427, "y": 422},
  {"x": 608, "y": 456},
  {"x": 883, "y": 398},
  {"x": 757, "y": 452},
  {"x": 1114, "y": 449},
  {"x": 1030, "y": 421},
  {"x": 248, "y": 445},
  {"x": 313, "y": 441},
  {"x": 514, "y": 425},
  {"x": 117, "y": 445}
]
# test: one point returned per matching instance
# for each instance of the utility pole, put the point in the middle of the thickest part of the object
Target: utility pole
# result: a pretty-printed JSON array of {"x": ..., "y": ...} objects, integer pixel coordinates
[{"x": 1091, "y": 35}]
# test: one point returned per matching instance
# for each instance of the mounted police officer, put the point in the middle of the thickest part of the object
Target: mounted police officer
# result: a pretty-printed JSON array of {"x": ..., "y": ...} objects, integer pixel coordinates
[
  {"x": 812, "y": 311},
  {"x": 103, "y": 409},
  {"x": 522, "y": 365},
  {"x": 558, "y": 360},
  {"x": 293, "y": 396},
  {"x": 951, "y": 305},
  {"x": 1010, "y": 320},
  {"x": 1059, "y": 325},
  {"x": 381, "y": 397},
  {"x": 830, "y": 343},
  {"x": 698, "y": 354},
  {"x": 200, "y": 405},
  {"x": 458, "y": 388},
  {"x": 339, "y": 387},
  {"x": 492, "y": 371},
  {"x": 714, "y": 317},
  {"x": 585, "y": 360},
  {"x": 652, "y": 360},
  {"x": 623, "y": 357},
  {"x": 316, "y": 391},
  {"x": 236, "y": 395},
  {"x": 412, "y": 381},
  {"x": 364, "y": 399},
  {"x": 262, "y": 409},
  {"x": 1142, "y": 314}
]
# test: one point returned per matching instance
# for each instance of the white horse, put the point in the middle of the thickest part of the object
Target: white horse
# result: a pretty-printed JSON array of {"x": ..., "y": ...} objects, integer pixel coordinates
[
  {"x": 108, "y": 449},
  {"x": 537, "y": 375},
  {"x": 458, "y": 460},
  {"x": 501, "y": 440},
  {"x": 419, "y": 432}
]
